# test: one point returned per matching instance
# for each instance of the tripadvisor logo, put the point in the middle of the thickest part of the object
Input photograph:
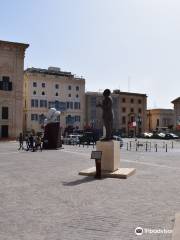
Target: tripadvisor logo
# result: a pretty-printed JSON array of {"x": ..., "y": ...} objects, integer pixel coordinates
[{"x": 139, "y": 231}]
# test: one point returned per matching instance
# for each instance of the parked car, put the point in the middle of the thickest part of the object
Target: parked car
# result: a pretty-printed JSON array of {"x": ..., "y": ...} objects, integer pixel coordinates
[
  {"x": 118, "y": 138},
  {"x": 171, "y": 136},
  {"x": 88, "y": 138},
  {"x": 161, "y": 135},
  {"x": 72, "y": 139},
  {"x": 148, "y": 135}
]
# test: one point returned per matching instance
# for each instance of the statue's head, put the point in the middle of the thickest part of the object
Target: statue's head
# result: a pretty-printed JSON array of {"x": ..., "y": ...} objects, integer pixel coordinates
[{"x": 106, "y": 93}]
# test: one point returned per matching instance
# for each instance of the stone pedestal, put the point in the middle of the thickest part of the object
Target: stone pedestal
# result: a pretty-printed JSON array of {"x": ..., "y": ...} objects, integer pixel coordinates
[
  {"x": 110, "y": 155},
  {"x": 52, "y": 136},
  {"x": 110, "y": 162}
]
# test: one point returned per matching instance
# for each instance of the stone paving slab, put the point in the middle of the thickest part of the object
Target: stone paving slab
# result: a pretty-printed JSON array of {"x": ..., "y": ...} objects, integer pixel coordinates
[
  {"x": 121, "y": 173},
  {"x": 42, "y": 197}
]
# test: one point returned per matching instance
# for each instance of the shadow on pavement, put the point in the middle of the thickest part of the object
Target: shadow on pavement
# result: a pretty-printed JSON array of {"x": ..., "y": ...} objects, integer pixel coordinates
[{"x": 79, "y": 181}]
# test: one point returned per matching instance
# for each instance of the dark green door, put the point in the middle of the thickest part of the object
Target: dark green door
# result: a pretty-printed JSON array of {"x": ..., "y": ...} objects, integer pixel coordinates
[{"x": 4, "y": 131}]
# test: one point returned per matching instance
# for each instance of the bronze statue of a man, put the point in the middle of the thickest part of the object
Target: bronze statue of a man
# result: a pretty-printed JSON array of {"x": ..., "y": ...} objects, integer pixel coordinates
[{"x": 107, "y": 115}]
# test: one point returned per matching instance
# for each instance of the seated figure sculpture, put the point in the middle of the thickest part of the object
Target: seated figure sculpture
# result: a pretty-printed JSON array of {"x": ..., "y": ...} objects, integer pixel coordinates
[
  {"x": 52, "y": 116},
  {"x": 107, "y": 115}
]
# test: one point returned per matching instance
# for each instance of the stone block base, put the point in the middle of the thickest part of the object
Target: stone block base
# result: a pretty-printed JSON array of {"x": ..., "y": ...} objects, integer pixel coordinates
[
  {"x": 176, "y": 230},
  {"x": 119, "y": 173},
  {"x": 110, "y": 155}
]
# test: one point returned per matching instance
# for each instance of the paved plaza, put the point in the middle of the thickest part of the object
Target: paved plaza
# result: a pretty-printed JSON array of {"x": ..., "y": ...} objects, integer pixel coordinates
[{"x": 42, "y": 197}]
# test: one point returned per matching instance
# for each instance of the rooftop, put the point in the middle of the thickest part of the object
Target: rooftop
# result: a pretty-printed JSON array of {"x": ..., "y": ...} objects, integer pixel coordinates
[
  {"x": 161, "y": 109},
  {"x": 49, "y": 71},
  {"x": 176, "y": 100},
  {"x": 116, "y": 93},
  {"x": 17, "y": 44}
]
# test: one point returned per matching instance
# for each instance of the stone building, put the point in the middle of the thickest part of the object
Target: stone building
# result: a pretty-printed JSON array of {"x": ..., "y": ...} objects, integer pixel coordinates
[
  {"x": 129, "y": 112},
  {"x": 53, "y": 88},
  {"x": 160, "y": 119},
  {"x": 11, "y": 88},
  {"x": 176, "y": 103}
]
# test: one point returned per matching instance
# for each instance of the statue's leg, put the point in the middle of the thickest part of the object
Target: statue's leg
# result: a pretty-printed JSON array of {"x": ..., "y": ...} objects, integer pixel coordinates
[{"x": 107, "y": 125}]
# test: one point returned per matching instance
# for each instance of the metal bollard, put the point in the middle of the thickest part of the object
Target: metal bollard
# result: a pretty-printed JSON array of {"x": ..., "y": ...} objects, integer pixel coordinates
[
  {"x": 127, "y": 146},
  {"x": 130, "y": 145},
  {"x": 166, "y": 147},
  {"x": 146, "y": 146},
  {"x": 172, "y": 144},
  {"x": 156, "y": 147},
  {"x": 98, "y": 168},
  {"x": 136, "y": 147}
]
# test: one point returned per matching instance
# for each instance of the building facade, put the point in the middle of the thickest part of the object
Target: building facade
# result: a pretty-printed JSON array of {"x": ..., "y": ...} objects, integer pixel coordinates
[
  {"x": 129, "y": 112},
  {"x": 176, "y": 103},
  {"x": 11, "y": 88},
  {"x": 53, "y": 88},
  {"x": 160, "y": 119}
]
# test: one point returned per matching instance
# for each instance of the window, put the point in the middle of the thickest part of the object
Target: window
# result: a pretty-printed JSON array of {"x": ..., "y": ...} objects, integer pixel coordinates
[
  {"x": 132, "y": 100},
  {"x": 77, "y": 118},
  {"x": 77, "y": 96},
  {"x": 69, "y": 105},
  {"x": 139, "y": 110},
  {"x": 77, "y": 88},
  {"x": 43, "y": 103},
  {"x": 139, "y": 101},
  {"x": 123, "y": 100},
  {"x": 69, "y": 119},
  {"x": 51, "y": 104},
  {"x": 56, "y": 94},
  {"x": 34, "y": 103},
  {"x": 34, "y": 84},
  {"x": 34, "y": 117},
  {"x": 132, "y": 118},
  {"x": 69, "y": 95},
  {"x": 123, "y": 120},
  {"x": 42, "y": 117},
  {"x": 69, "y": 87},
  {"x": 123, "y": 109},
  {"x": 93, "y": 101},
  {"x": 34, "y": 92},
  {"x": 132, "y": 110},
  {"x": 5, "y": 113},
  {"x": 43, "y": 85},
  {"x": 77, "y": 105},
  {"x": 43, "y": 93},
  {"x": 57, "y": 86},
  {"x": 5, "y": 84}
]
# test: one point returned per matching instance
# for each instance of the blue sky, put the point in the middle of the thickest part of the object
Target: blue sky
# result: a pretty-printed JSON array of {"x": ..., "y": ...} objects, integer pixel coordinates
[{"x": 106, "y": 41}]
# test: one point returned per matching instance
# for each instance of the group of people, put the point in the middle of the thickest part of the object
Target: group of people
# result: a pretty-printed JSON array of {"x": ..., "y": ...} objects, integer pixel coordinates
[{"x": 32, "y": 142}]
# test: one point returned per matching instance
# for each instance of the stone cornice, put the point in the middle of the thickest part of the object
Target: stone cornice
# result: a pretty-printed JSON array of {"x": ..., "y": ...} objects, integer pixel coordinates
[{"x": 14, "y": 45}]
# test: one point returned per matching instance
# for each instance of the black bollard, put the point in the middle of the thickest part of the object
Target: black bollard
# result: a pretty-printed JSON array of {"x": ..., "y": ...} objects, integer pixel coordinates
[
  {"x": 98, "y": 168},
  {"x": 156, "y": 147},
  {"x": 166, "y": 147}
]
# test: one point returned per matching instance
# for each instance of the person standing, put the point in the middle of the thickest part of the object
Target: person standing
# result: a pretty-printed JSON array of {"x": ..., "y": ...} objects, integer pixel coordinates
[{"x": 21, "y": 141}]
